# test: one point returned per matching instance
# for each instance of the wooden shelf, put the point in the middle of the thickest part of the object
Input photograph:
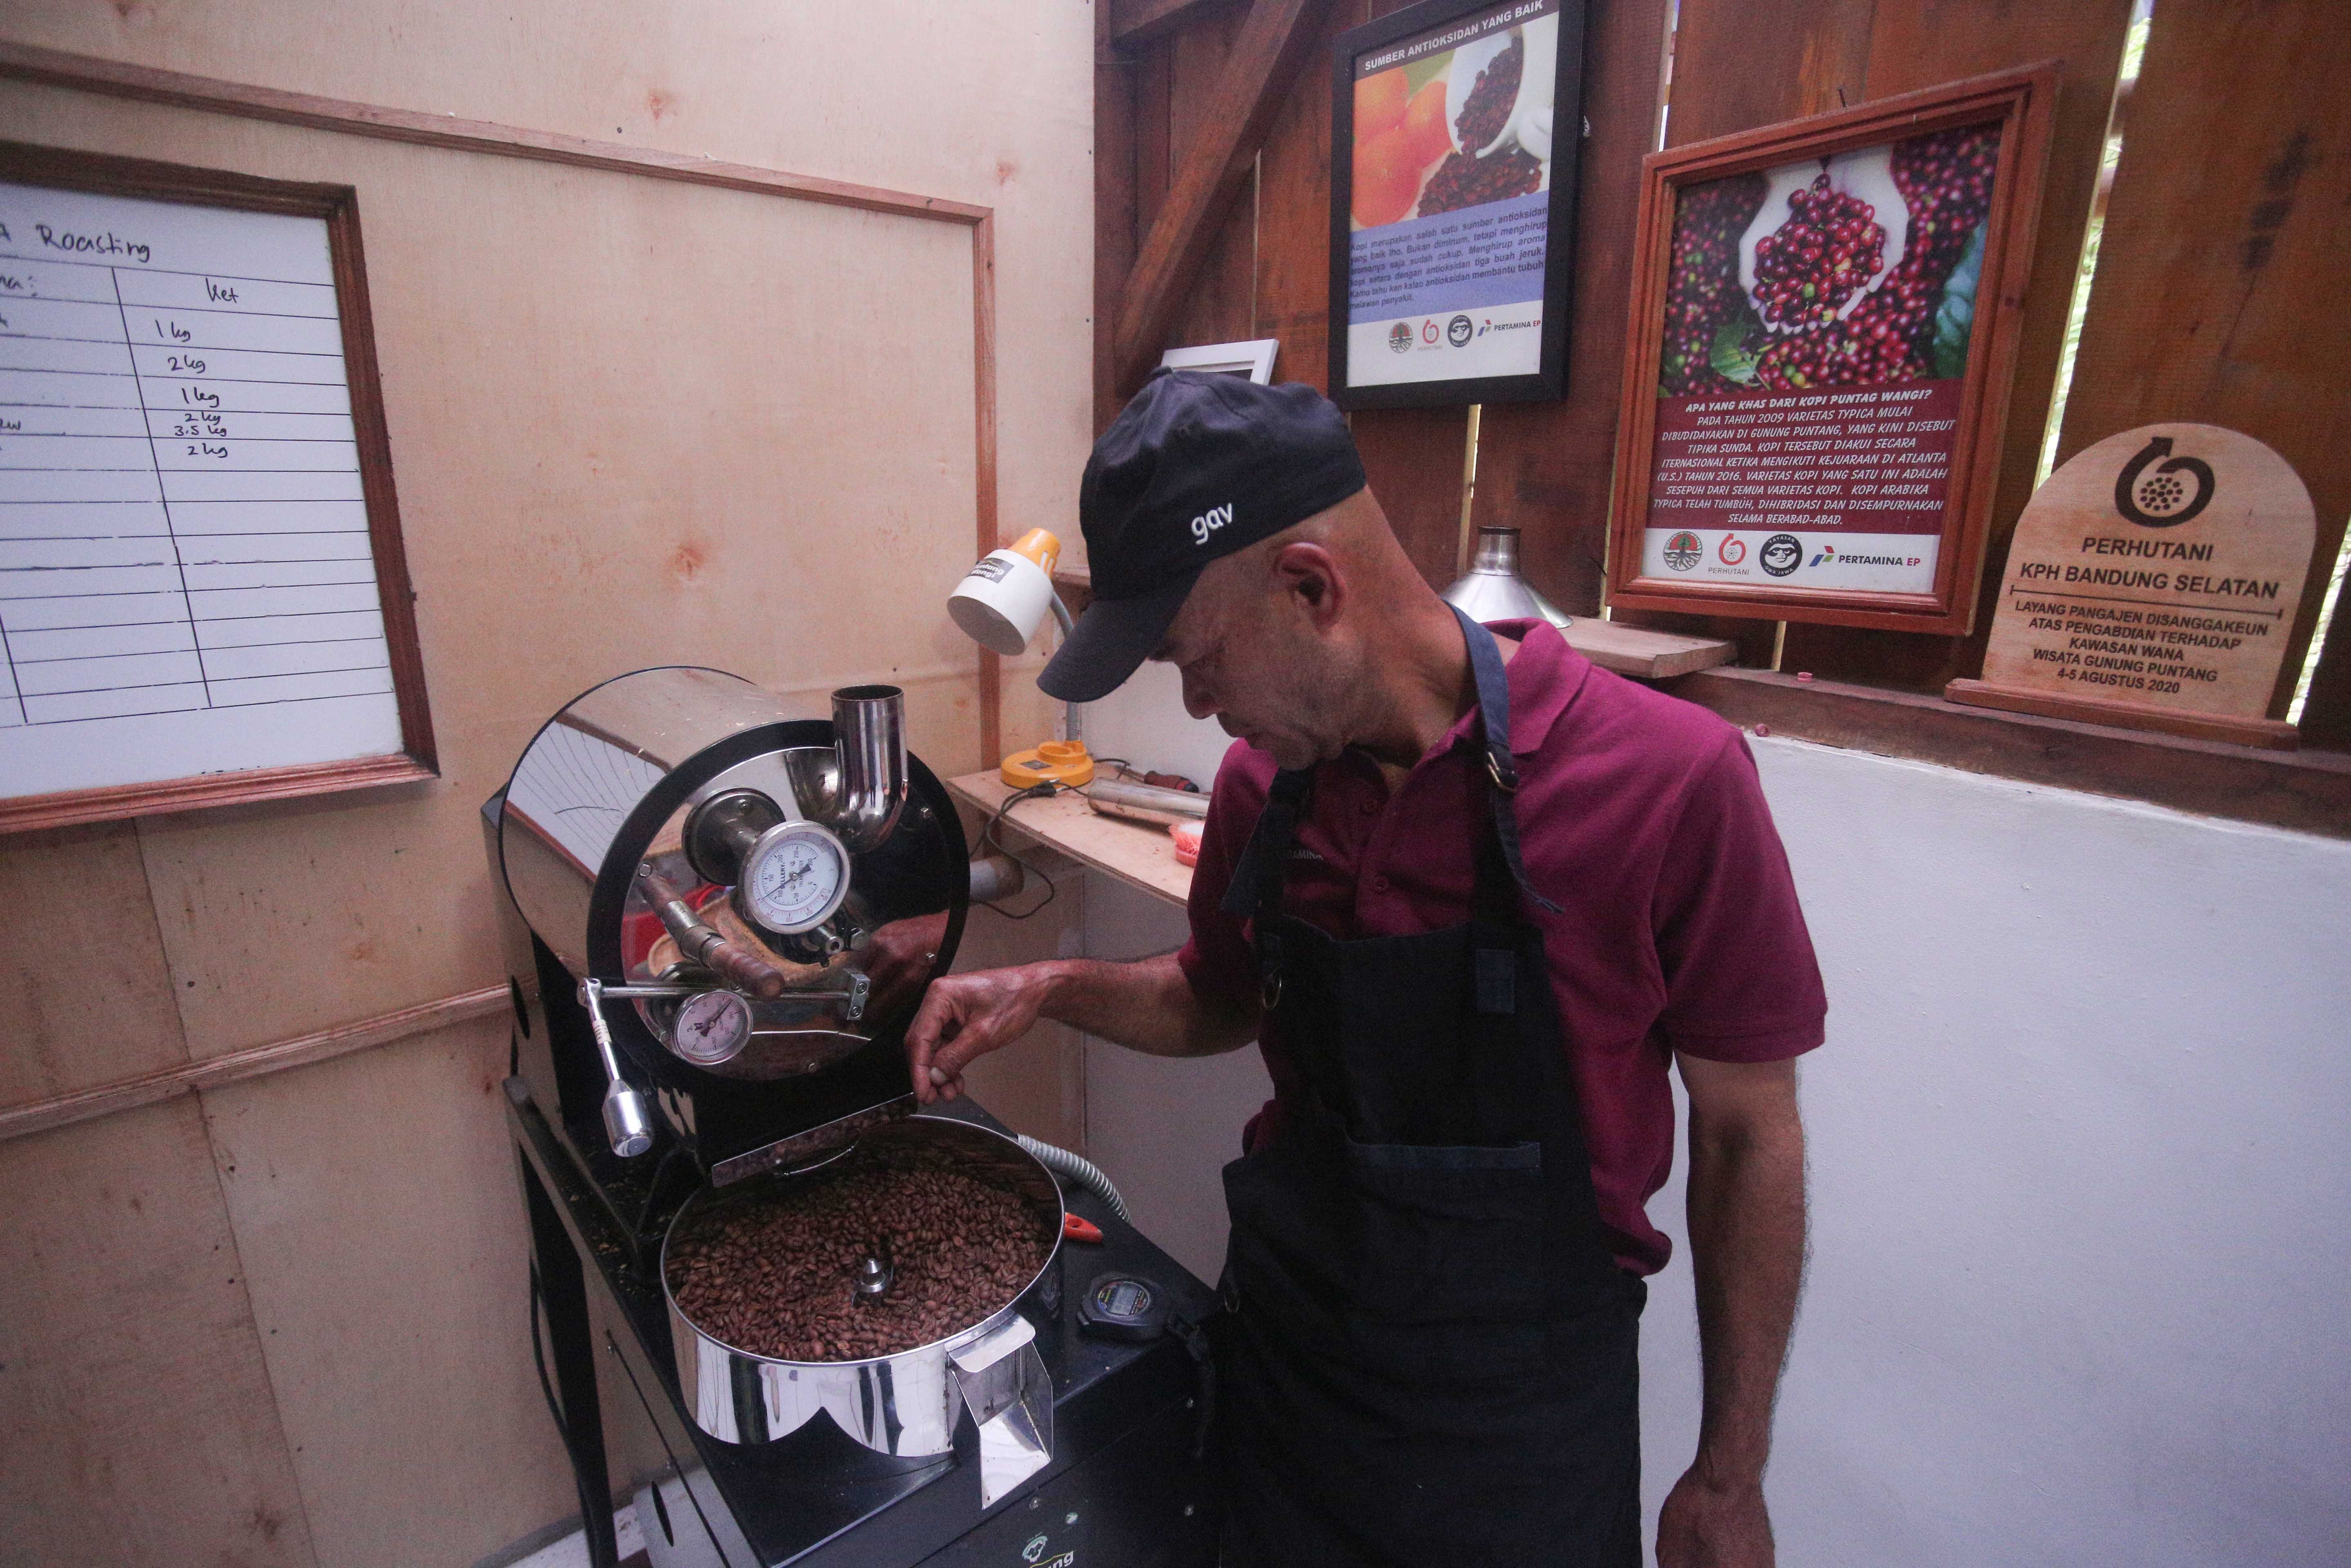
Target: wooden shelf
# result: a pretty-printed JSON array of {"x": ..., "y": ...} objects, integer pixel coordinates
[
  {"x": 1139, "y": 854},
  {"x": 2308, "y": 792},
  {"x": 1644, "y": 654}
]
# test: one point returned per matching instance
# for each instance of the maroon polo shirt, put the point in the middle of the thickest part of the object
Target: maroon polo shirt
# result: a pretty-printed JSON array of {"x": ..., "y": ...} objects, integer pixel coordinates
[{"x": 1640, "y": 816}]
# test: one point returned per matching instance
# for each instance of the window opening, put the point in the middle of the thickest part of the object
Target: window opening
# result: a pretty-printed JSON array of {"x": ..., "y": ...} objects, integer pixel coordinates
[
  {"x": 2126, "y": 78},
  {"x": 2331, "y": 603},
  {"x": 1469, "y": 493}
]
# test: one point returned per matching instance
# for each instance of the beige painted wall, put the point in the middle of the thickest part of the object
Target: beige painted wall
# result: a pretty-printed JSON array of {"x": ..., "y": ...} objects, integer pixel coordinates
[{"x": 631, "y": 423}]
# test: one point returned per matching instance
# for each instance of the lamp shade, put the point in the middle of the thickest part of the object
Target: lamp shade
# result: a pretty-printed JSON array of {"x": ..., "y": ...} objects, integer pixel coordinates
[{"x": 1003, "y": 597}]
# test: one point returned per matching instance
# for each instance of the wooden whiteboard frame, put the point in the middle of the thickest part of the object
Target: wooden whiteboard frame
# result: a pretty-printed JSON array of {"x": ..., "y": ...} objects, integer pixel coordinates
[
  {"x": 179, "y": 89},
  {"x": 338, "y": 205}
]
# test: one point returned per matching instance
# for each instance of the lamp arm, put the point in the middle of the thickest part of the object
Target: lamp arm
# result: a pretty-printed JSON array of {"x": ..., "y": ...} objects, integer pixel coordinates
[{"x": 1072, "y": 723}]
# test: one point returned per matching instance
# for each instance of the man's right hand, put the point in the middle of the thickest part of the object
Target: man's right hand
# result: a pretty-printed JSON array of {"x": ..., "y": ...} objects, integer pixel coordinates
[{"x": 967, "y": 1016}]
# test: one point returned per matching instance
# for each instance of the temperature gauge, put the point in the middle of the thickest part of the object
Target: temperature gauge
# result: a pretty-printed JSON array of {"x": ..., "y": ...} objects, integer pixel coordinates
[
  {"x": 711, "y": 1026},
  {"x": 794, "y": 878}
]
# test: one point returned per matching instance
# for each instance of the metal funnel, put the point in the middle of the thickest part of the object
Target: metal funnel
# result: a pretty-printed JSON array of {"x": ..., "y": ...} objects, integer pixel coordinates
[{"x": 1494, "y": 591}]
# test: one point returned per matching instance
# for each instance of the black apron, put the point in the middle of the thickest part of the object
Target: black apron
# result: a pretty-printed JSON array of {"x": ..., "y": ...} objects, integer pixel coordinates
[{"x": 1431, "y": 1355}]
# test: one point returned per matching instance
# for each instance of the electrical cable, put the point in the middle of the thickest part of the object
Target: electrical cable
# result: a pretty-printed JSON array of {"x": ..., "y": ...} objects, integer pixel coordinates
[
  {"x": 988, "y": 840},
  {"x": 1045, "y": 790}
]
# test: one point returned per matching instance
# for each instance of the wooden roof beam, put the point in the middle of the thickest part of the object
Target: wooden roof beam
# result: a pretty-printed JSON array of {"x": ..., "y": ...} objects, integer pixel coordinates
[
  {"x": 1133, "y": 21},
  {"x": 1272, "y": 44}
]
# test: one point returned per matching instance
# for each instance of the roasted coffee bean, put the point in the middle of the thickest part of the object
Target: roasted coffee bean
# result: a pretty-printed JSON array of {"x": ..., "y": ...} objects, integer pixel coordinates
[
  {"x": 1463, "y": 182},
  {"x": 772, "y": 1272},
  {"x": 1491, "y": 98}
]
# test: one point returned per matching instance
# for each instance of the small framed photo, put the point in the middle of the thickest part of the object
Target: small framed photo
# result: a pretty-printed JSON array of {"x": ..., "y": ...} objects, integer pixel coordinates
[
  {"x": 1456, "y": 127},
  {"x": 1253, "y": 359},
  {"x": 1824, "y": 330}
]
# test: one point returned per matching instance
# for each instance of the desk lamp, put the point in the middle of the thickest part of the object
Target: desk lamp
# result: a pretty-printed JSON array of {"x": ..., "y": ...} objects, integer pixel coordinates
[{"x": 999, "y": 605}]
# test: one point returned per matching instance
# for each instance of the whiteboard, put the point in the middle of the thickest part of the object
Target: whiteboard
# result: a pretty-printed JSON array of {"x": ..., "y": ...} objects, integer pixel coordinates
[{"x": 188, "y": 577}]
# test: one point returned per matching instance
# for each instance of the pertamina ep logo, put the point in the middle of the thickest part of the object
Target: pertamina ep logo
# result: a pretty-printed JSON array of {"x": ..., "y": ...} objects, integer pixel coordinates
[{"x": 1209, "y": 521}]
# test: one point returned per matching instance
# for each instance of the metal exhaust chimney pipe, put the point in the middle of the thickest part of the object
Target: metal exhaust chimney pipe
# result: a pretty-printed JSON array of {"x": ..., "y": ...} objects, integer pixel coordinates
[{"x": 869, "y": 728}]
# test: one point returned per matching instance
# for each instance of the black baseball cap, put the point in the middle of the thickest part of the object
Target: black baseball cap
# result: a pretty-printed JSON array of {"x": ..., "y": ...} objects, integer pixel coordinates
[{"x": 1199, "y": 465}]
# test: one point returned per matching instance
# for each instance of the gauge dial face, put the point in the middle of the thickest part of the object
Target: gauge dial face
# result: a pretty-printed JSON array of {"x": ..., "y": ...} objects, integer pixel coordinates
[
  {"x": 795, "y": 877},
  {"x": 711, "y": 1026}
]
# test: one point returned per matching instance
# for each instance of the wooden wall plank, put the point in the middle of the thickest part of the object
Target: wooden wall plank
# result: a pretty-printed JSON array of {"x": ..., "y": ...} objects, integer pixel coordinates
[
  {"x": 1274, "y": 41},
  {"x": 1412, "y": 459},
  {"x": 1219, "y": 306},
  {"x": 1738, "y": 65},
  {"x": 85, "y": 996},
  {"x": 2219, "y": 296},
  {"x": 390, "y": 1295},
  {"x": 1133, "y": 22},
  {"x": 1115, "y": 150},
  {"x": 1294, "y": 236},
  {"x": 1154, "y": 152},
  {"x": 1544, "y": 469},
  {"x": 1915, "y": 43},
  {"x": 139, "y": 1421}
]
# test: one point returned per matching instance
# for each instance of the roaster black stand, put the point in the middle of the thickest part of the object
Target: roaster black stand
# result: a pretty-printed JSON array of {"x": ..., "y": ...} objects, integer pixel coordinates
[{"x": 1127, "y": 1487}]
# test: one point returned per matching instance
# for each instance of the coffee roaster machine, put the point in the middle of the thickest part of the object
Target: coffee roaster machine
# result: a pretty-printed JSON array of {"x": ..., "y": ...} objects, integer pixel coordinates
[{"x": 718, "y": 918}]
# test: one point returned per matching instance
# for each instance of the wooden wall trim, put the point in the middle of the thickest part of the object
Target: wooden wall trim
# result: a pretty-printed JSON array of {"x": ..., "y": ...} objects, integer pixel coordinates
[
  {"x": 237, "y": 1066},
  {"x": 1133, "y": 21},
  {"x": 2308, "y": 792},
  {"x": 987, "y": 527},
  {"x": 87, "y": 73},
  {"x": 1273, "y": 42},
  {"x": 179, "y": 89},
  {"x": 112, "y": 802}
]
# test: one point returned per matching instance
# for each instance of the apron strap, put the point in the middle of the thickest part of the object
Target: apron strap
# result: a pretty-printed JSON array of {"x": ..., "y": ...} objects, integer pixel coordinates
[
  {"x": 1494, "y": 719},
  {"x": 1255, "y": 892}
]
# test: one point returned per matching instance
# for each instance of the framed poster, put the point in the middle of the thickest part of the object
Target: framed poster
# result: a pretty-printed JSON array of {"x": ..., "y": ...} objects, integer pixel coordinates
[
  {"x": 1457, "y": 129},
  {"x": 1825, "y": 320},
  {"x": 203, "y": 597}
]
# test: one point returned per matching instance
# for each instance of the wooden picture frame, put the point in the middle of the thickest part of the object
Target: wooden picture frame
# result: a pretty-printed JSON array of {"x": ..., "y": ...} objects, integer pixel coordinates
[
  {"x": 338, "y": 206},
  {"x": 1750, "y": 449},
  {"x": 1454, "y": 317}
]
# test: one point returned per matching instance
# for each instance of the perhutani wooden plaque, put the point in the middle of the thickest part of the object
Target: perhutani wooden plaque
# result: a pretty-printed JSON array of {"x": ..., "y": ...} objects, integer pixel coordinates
[{"x": 2153, "y": 584}]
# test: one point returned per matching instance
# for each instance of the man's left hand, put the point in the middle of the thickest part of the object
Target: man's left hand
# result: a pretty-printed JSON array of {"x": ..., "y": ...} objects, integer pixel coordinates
[{"x": 1704, "y": 1525}]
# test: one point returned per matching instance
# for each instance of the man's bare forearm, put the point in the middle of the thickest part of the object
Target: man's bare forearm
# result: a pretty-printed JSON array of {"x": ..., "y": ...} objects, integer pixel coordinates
[
  {"x": 1747, "y": 1250},
  {"x": 1146, "y": 1006}
]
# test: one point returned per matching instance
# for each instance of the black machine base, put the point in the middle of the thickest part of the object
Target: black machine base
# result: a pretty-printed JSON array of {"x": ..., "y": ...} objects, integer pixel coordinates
[{"x": 1128, "y": 1485}]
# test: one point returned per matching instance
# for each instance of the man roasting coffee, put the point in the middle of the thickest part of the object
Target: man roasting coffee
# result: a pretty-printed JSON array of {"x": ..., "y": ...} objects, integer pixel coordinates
[{"x": 1473, "y": 896}]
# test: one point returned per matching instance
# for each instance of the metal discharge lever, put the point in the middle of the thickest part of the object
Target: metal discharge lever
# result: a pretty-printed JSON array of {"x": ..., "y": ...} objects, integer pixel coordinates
[
  {"x": 628, "y": 1123},
  {"x": 705, "y": 946}
]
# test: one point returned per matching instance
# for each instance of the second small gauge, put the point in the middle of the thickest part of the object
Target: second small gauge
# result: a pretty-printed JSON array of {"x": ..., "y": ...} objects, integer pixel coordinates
[{"x": 711, "y": 1026}]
